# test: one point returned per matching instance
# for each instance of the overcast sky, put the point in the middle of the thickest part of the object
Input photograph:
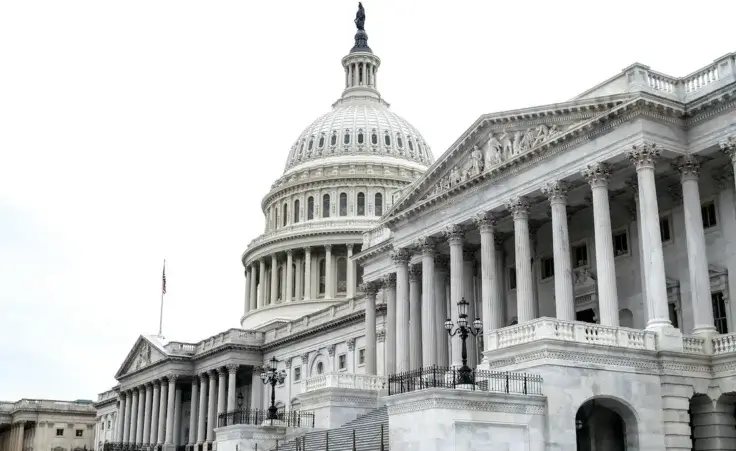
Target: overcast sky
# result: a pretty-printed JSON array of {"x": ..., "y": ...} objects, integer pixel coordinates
[{"x": 138, "y": 130}]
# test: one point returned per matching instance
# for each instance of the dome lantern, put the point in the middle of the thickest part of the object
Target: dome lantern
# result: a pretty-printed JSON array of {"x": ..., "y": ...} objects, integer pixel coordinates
[{"x": 361, "y": 65}]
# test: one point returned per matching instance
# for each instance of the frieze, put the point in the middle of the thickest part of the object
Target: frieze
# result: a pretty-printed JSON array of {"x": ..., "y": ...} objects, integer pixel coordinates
[{"x": 458, "y": 404}]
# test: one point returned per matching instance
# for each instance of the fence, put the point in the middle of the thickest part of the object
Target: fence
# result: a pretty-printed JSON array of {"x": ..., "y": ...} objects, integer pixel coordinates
[
  {"x": 258, "y": 416},
  {"x": 366, "y": 438},
  {"x": 442, "y": 377}
]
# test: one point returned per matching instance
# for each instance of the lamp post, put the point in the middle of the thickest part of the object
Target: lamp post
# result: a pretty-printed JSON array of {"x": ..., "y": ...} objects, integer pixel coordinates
[
  {"x": 465, "y": 375},
  {"x": 273, "y": 376}
]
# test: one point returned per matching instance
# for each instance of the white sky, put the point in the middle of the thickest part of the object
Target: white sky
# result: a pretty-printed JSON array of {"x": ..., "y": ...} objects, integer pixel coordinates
[{"x": 138, "y": 130}]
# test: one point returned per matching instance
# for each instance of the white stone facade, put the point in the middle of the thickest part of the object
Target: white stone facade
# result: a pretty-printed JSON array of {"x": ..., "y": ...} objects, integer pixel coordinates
[{"x": 40, "y": 424}]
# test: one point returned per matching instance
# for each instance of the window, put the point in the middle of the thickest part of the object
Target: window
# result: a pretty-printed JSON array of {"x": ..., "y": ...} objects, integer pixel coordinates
[
  {"x": 665, "y": 231},
  {"x": 297, "y": 373},
  {"x": 709, "y": 215},
  {"x": 343, "y": 204},
  {"x": 387, "y": 139},
  {"x": 60, "y": 432},
  {"x": 399, "y": 142},
  {"x": 512, "y": 278},
  {"x": 108, "y": 424},
  {"x": 326, "y": 206},
  {"x": 411, "y": 145},
  {"x": 361, "y": 204},
  {"x": 548, "y": 268},
  {"x": 333, "y": 139},
  {"x": 374, "y": 138},
  {"x": 360, "y": 137},
  {"x": 342, "y": 362},
  {"x": 719, "y": 312},
  {"x": 79, "y": 432},
  {"x": 346, "y": 137},
  {"x": 296, "y": 211},
  {"x": 580, "y": 255},
  {"x": 276, "y": 214},
  {"x": 320, "y": 368},
  {"x": 342, "y": 275},
  {"x": 310, "y": 208},
  {"x": 361, "y": 357},
  {"x": 379, "y": 204},
  {"x": 311, "y": 143},
  {"x": 672, "y": 308},
  {"x": 322, "y": 276},
  {"x": 321, "y": 141},
  {"x": 620, "y": 243},
  {"x": 285, "y": 216}
]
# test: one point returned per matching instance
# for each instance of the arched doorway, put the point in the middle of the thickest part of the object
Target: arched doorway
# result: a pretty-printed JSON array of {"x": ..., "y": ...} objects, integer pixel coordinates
[{"x": 606, "y": 424}]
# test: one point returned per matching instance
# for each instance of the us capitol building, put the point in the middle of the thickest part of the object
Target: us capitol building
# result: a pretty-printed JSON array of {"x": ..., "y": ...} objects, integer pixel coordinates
[{"x": 595, "y": 239}]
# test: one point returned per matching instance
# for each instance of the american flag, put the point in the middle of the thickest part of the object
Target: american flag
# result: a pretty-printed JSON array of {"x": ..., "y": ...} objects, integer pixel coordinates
[{"x": 163, "y": 280}]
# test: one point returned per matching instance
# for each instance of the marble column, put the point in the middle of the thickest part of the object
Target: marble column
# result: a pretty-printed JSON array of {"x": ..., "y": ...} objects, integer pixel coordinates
[
  {"x": 253, "y": 288},
  {"x": 401, "y": 260},
  {"x": 697, "y": 258},
  {"x": 232, "y": 371},
  {"x": 498, "y": 241},
  {"x": 171, "y": 398},
  {"x": 415, "y": 317},
  {"x": 307, "y": 273},
  {"x": 118, "y": 437},
  {"x": 193, "y": 412},
  {"x": 289, "y": 276},
  {"x": 370, "y": 289},
  {"x": 274, "y": 279},
  {"x": 176, "y": 434},
  {"x": 454, "y": 236},
  {"x": 728, "y": 146},
  {"x": 597, "y": 175},
  {"x": 147, "y": 415},
  {"x": 644, "y": 156},
  {"x": 261, "y": 283},
  {"x": 141, "y": 415},
  {"x": 212, "y": 407},
  {"x": 134, "y": 417},
  {"x": 221, "y": 395},
  {"x": 428, "y": 311},
  {"x": 469, "y": 296},
  {"x": 389, "y": 294},
  {"x": 519, "y": 208},
  {"x": 329, "y": 273},
  {"x": 564, "y": 296},
  {"x": 350, "y": 273},
  {"x": 201, "y": 426},
  {"x": 441, "y": 314},
  {"x": 246, "y": 306},
  {"x": 256, "y": 387},
  {"x": 126, "y": 417},
  {"x": 162, "y": 405},
  {"x": 492, "y": 303},
  {"x": 155, "y": 404},
  {"x": 299, "y": 280}
]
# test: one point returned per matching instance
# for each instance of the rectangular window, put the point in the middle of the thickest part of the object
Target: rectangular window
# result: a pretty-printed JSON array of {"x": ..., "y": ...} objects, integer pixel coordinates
[
  {"x": 548, "y": 268},
  {"x": 79, "y": 432},
  {"x": 580, "y": 255},
  {"x": 297, "y": 373},
  {"x": 342, "y": 360},
  {"x": 60, "y": 432},
  {"x": 673, "y": 315},
  {"x": 719, "y": 312},
  {"x": 361, "y": 357},
  {"x": 620, "y": 243},
  {"x": 665, "y": 229},
  {"x": 512, "y": 278},
  {"x": 708, "y": 211}
]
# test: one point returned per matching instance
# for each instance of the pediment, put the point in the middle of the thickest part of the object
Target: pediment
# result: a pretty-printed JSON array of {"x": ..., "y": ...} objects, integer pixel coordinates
[{"x": 144, "y": 353}]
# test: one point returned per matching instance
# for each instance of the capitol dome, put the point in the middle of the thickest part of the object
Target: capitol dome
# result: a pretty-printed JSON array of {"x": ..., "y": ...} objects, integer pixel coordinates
[{"x": 341, "y": 175}]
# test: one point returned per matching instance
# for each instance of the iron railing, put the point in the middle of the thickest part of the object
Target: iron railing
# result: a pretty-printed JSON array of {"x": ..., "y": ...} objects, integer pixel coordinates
[
  {"x": 443, "y": 377},
  {"x": 259, "y": 416},
  {"x": 117, "y": 446}
]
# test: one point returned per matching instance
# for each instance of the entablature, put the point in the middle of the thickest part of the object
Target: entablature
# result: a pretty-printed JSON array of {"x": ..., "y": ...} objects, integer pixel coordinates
[{"x": 312, "y": 236}]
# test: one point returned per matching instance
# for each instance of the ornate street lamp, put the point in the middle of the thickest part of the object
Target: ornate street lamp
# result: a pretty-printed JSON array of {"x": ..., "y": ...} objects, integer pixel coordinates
[
  {"x": 273, "y": 376},
  {"x": 465, "y": 374}
]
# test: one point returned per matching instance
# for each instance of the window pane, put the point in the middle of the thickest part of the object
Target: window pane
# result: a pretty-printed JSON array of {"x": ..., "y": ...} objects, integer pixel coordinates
[
  {"x": 664, "y": 229},
  {"x": 322, "y": 276},
  {"x": 387, "y": 140},
  {"x": 296, "y": 211},
  {"x": 333, "y": 139},
  {"x": 343, "y": 204},
  {"x": 374, "y": 139},
  {"x": 286, "y": 215},
  {"x": 342, "y": 275},
  {"x": 361, "y": 204},
  {"x": 360, "y": 138},
  {"x": 310, "y": 208},
  {"x": 379, "y": 204},
  {"x": 326, "y": 206},
  {"x": 719, "y": 312}
]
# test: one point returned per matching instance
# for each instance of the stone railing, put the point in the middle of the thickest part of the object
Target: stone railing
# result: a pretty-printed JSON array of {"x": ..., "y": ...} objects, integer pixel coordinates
[
  {"x": 575, "y": 331},
  {"x": 232, "y": 336},
  {"x": 178, "y": 347},
  {"x": 344, "y": 380},
  {"x": 50, "y": 405},
  {"x": 724, "y": 344},
  {"x": 104, "y": 396},
  {"x": 376, "y": 236}
]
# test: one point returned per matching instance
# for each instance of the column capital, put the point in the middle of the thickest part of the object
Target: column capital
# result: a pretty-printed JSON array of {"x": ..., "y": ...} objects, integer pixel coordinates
[
  {"x": 221, "y": 371},
  {"x": 499, "y": 239},
  {"x": 350, "y": 246},
  {"x": 644, "y": 155},
  {"x": 469, "y": 254},
  {"x": 519, "y": 207},
  {"x": 485, "y": 222},
  {"x": 415, "y": 273},
  {"x": 328, "y": 247},
  {"x": 723, "y": 176},
  {"x": 441, "y": 262},
  {"x": 274, "y": 257},
  {"x": 305, "y": 358},
  {"x": 212, "y": 373},
  {"x": 370, "y": 288},
  {"x": 351, "y": 344},
  {"x": 287, "y": 362},
  {"x": 728, "y": 146},
  {"x": 688, "y": 166},
  {"x": 232, "y": 368},
  {"x": 597, "y": 174},
  {"x": 203, "y": 377},
  {"x": 400, "y": 256},
  {"x": 172, "y": 378},
  {"x": 381, "y": 336},
  {"x": 307, "y": 249},
  {"x": 289, "y": 252},
  {"x": 556, "y": 191},
  {"x": 148, "y": 384},
  {"x": 427, "y": 245},
  {"x": 454, "y": 234},
  {"x": 389, "y": 280},
  {"x": 331, "y": 349}
]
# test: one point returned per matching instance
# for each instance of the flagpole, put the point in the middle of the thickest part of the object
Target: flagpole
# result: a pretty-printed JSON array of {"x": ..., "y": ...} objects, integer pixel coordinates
[{"x": 161, "y": 312}]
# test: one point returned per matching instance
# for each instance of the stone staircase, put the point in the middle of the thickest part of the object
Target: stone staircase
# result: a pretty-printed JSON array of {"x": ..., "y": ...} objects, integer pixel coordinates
[{"x": 367, "y": 435}]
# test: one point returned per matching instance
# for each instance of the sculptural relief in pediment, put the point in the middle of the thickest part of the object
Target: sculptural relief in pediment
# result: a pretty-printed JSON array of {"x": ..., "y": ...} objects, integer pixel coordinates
[{"x": 143, "y": 356}]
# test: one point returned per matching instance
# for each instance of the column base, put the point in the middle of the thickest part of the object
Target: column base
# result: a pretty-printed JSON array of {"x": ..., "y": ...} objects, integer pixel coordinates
[
  {"x": 668, "y": 338},
  {"x": 706, "y": 331}
]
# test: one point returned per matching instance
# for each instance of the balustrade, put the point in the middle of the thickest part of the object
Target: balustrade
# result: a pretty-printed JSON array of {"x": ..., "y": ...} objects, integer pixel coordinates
[{"x": 344, "y": 380}]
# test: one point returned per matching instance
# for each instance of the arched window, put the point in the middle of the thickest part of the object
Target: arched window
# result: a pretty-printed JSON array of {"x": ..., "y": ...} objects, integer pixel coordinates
[
  {"x": 361, "y": 204},
  {"x": 374, "y": 138},
  {"x": 387, "y": 139},
  {"x": 379, "y": 204},
  {"x": 311, "y": 143},
  {"x": 399, "y": 141},
  {"x": 296, "y": 211},
  {"x": 333, "y": 139},
  {"x": 343, "y": 204},
  {"x": 346, "y": 137},
  {"x": 322, "y": 275},
  {"x": 310, "y": 208},
  {"x": 411, "y": 145},
  {"x": 342, "y": 274},
  {"x": 276, "y": 218},
  {"x": 359, "y": 274},
  {"x": 326, "y": 206},
  {"x": 285, "y": 216},
  {"x": 360, "y": 136},
  {"x": 321, "y": 141},
  {"x": 280, "y": 291},
  {"x": 320, "y": 368}
]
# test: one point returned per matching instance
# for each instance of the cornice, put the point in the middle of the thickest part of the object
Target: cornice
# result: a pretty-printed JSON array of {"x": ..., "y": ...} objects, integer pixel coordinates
[
  {"x": 248, "y": 256},
  {"x": 373, "y": 251},
  {"x": 712, "y": 106}
]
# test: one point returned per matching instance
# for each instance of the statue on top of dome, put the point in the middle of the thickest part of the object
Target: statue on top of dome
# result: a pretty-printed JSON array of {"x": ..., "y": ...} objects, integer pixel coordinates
[{"x": 360, "y": 17}]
